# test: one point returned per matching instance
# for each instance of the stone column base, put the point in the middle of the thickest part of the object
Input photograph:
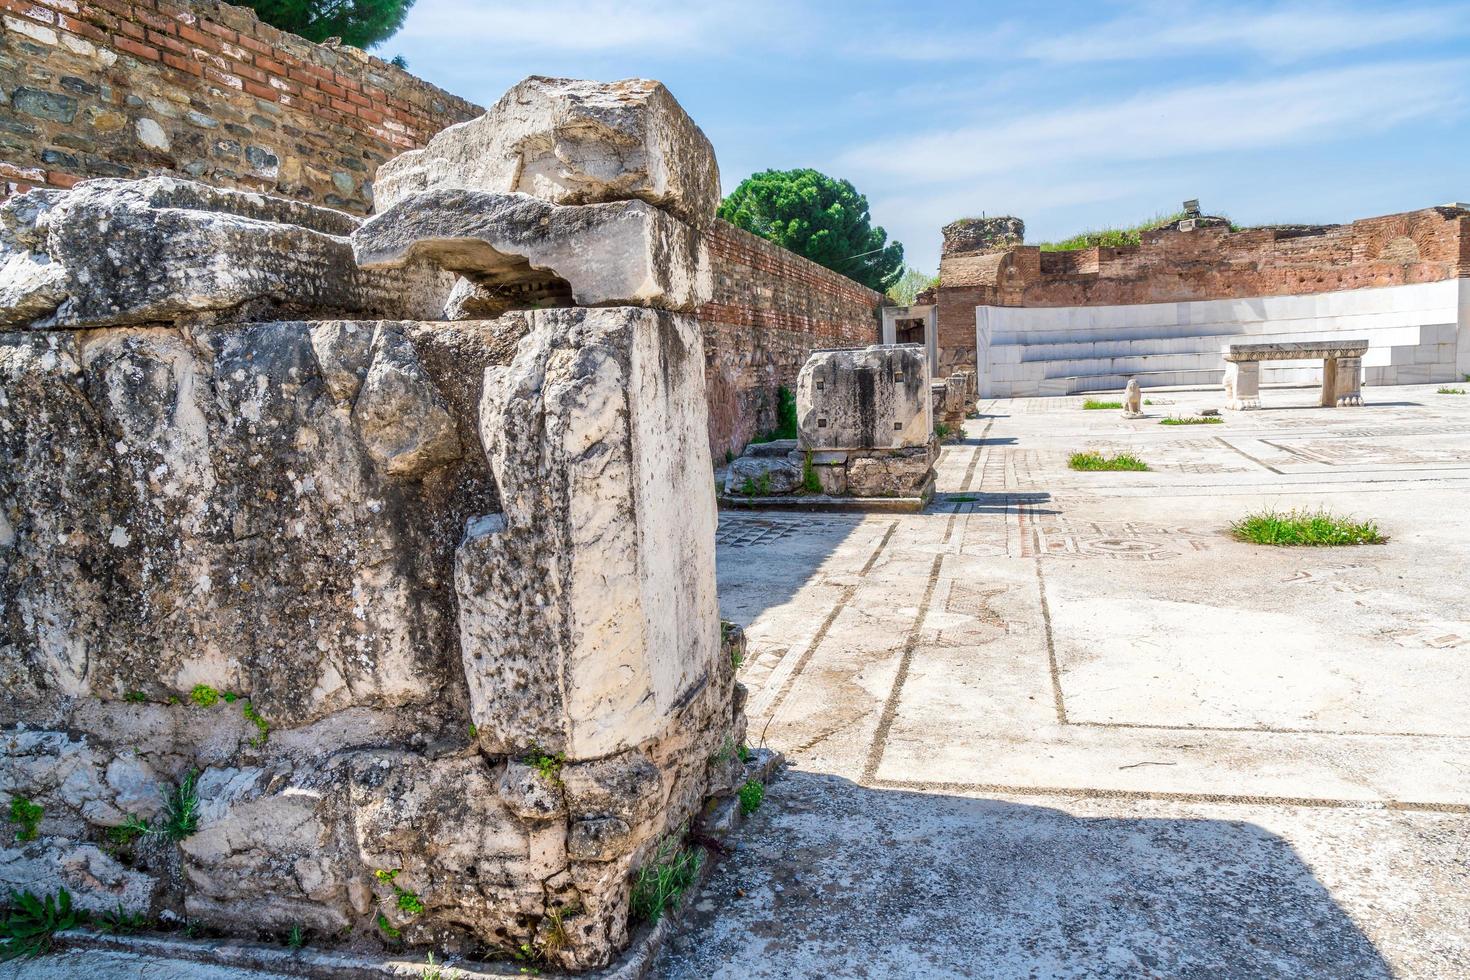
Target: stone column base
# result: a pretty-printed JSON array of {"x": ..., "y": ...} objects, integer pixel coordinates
[{"x": 1242, "y": 385}]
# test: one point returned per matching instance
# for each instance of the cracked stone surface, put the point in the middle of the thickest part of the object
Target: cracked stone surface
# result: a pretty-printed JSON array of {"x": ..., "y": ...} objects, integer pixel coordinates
[{"x": 570, "y": 142}]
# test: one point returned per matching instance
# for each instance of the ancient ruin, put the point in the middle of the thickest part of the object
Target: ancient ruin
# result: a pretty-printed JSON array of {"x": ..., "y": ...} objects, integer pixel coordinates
[
  {"x": 1342, "y": 370},
  {"x": 865, "y": 435},
  {"x": 323, "y": 610}
]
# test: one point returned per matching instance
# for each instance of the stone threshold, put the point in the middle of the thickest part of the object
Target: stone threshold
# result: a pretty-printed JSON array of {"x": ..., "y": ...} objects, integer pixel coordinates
[
  {"x": 824, "y": 503},
  {"x": 720, "y": 818}
]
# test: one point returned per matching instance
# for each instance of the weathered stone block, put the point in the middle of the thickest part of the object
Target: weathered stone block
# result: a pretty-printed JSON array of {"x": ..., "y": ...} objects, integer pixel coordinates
[
  {"x": 570, "y": 142},
  {"x": 762, "y": 476},
  {"x": 587, "y": 609},
  {"x": 112, "y": 252},
  {"x": 871, "y": 398},
  {"x": 627, "y": 253}
]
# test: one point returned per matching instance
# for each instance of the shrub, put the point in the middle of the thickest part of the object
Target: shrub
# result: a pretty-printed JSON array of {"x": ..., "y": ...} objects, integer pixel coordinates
[{"x": 1300, "y": 527}]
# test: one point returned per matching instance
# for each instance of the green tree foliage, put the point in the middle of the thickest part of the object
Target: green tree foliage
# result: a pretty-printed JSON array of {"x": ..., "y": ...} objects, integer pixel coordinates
[
  {"x": 816, "y": 216},
  {"x": 360, "y": 23},
  {"x": 910, "y": 285}
]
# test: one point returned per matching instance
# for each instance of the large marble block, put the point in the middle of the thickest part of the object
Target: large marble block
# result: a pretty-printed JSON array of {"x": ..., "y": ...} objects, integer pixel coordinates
[{"x": 870, "y": 398}]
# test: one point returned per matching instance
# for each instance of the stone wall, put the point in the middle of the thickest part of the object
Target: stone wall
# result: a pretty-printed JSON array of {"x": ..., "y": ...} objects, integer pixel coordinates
[
  {"x": 322, "y": 610},
  {"x": 771, "y": 309},
  {"x": 1429, "y": 245},
  {"x": 128, "y": 88}
]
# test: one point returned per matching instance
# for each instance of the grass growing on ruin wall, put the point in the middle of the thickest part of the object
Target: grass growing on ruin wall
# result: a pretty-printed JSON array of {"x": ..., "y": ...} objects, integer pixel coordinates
[{"x": 1111, "y": 237}]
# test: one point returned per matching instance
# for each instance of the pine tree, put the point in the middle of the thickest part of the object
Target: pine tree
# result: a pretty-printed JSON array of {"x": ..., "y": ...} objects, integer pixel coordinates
[{"x": 360, "y": 23}]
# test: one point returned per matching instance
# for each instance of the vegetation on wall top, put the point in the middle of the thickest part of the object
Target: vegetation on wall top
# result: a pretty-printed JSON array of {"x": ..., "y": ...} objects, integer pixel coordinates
[
  {"x": 360, "y": 23},
  {"x": 819, "y": 218}
]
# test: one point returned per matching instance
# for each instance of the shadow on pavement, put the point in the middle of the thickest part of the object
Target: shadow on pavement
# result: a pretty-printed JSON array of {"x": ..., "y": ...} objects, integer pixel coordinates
[{"x": 832, "y": 879}]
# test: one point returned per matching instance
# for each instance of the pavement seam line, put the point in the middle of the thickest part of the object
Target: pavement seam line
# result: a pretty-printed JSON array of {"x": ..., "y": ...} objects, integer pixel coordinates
[{"x": 890, "y": 706}]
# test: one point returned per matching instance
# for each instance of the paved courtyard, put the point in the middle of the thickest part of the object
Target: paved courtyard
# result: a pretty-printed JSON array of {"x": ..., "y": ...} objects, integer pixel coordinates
[{"x": 1063, "y": 725}]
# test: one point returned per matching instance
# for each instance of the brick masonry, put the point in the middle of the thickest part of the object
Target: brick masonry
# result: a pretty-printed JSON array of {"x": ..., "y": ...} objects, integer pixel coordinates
[
  {"x": 128, "y": 88},
  {"x": 770, "y": 310},
  {"x": 1429, "y": 245}
]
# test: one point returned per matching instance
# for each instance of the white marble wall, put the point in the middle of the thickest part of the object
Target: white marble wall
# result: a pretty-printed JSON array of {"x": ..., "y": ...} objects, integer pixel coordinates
[{"x": 1416, "y": 334}]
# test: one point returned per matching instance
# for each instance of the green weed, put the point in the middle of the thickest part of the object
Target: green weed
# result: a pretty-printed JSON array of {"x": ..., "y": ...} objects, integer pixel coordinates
[
  {"x": 120, "y": 922},
  {"x": 752, "y": 795},
  {"x": 296, "y": 938},
  {"x": 1092, "y": 404},
  {"x": 386, "y": 927},
  {"x": 30, "y": 924},
  {"x": 758, "y": 487},
  {"x": 671, "y": 869},
  {"x": 547, "y": 765},
  {"x": 26, "y": 816},
  {"x": 263, "y": 730},
  {"x": 810, "y": 482},
  {"x": 180, "y": 816},
  {"x": 1091, "y": 461},
  {"x": 204, "y": 696},
  {"x": 1450, "y": 391},
  {"x": 1299, "y": 527},
  {"x": 1192, "y": 420},
  {"x": 135, "y": 697}
]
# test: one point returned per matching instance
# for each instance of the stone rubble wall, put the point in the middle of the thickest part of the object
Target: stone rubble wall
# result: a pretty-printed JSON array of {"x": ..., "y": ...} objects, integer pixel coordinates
[
  {"x": 422, "y": 611},
  {"x": 1429, "y": 245},
  {"x": 201, "y": 89}
]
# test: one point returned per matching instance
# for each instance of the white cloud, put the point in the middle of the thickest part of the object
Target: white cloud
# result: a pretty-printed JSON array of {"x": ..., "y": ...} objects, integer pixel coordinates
[
  {"x": 1281, "y": 33},
  {"x": 1225, "y": 117}
]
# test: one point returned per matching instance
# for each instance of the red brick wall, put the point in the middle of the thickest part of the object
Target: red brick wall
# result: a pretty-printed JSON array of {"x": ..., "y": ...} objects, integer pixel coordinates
[
  {"x": 1211, "y": 263},
  {"x": 127, "y": 88},
  {"x": 771, "y": 308}
]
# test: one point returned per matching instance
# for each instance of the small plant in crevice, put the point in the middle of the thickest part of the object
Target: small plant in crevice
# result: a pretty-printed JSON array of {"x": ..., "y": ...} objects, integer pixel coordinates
[
  {"x": 745, "y": 753},
  {"x": 180, "y": 817},
  {"x": 263, "y": 730},
  {"x": 434, "y": 971},
  {"x": 1192, "y": 420},
  {"x": 547, "y": 765},
  {"x": 671, "y": 869},
  {"x": 26, "y": 816},
  {"x": 810, "y": 482},
  {"x": 1094, "y": 461},
  {"x": 120, "y": 922},
  {"x": 30, "y": 924},
  {"x": 404, "y": 899},
  {"x": 135, "y": 697},
  {"x": 296, "y": 938},
  {"x": 1304, "y": 528},
  {"x": 942, "y": 431},
  {"x": 1450, "y": 391},
  {"x": 1092, "y": 404},
  {"x": 752, "y": 795},
  {"x": 386, "y": 928},
  {"x": 204, "y": 696},
  {"x": 557, "y": 937},
  {"x": 757, "y": 487}
]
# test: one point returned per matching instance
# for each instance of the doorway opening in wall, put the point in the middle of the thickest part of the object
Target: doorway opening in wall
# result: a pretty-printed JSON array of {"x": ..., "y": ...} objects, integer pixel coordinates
[{"x": 909, "y": 332}]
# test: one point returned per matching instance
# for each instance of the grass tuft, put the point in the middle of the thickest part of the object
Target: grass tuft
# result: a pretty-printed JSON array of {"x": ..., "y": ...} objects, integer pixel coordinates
[
  {"x": 1299, "y": 527},
  {"x": 180, "y": 816},
  {"x": 1092, "y": 404},
  {"x": 1450, "y": 391},
  {"x": 668, "y": 872},
  {"x": 1192, "y": 420},
  {"x": 1091, "y": 461}
]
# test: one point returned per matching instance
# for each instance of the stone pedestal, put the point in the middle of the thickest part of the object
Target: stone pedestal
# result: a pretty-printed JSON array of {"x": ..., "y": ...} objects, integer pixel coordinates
[
  {"x": 1242, "y": 385},
  {"x": 1347, "y": 381}
]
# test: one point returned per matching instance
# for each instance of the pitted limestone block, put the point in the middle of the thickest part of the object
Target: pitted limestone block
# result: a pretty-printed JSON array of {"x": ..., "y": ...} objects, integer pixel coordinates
[
  {"x": 761, "y": 476},
  {"x": 112, "y": 252},
  {"x": 529, "y": 793},
  {"x": 268, "y": 850},
  {"x": 599, "y": 839},
  {"x": 625, "y": 785},
  {"x": 868, "y": 398},
  {"x": 343, "y": 352},
  {"x": 400, "y": 415},
  {"x": 97, "y": 881},
  {"x": 570, "y": 142},
  {"x": 587, "y": 609},
  {"x": 897, "y": 473},
  {"x": 199, "y": 509},
  {"x": 626, "y": 253}
]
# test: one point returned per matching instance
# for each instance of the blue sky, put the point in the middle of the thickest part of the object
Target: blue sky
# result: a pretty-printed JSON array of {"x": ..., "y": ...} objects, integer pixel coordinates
[{"x": 1079, "y": 115}]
